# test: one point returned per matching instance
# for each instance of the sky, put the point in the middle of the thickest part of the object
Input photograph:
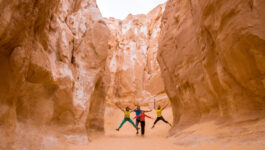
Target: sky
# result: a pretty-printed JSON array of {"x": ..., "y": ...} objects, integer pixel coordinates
[{"x": 121, "y": 8}]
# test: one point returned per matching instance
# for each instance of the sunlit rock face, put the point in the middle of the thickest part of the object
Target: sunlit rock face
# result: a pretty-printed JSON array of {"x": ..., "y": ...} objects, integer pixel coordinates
[
  {"x": 52, "y": 55},
  {"x": 134, "y": 71},
  {"x": 212, "y": 58}
]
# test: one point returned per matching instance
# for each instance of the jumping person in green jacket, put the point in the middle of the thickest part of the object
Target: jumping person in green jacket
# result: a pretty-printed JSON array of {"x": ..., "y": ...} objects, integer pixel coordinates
[{"x": 127, "y": 113}]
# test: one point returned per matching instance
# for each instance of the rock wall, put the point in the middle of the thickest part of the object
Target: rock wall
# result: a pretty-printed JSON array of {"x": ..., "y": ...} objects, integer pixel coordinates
[
  {"x": 212, "y": 58},
  {"x": 134, "y": 71},
  {"x": 52, "y": 54}
]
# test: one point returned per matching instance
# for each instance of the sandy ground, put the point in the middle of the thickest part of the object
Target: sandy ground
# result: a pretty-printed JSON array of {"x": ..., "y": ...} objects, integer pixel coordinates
[
  {"x": 126, "y": 138},
  {"x": 155, "y": 139}
]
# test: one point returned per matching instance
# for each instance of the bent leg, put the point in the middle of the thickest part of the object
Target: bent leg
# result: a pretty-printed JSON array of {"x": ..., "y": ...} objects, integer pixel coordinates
[
  {"x": 164, "y": 120},
  {"x": 123, "y": 121},
  {"x": 130, "y": 120},
  {"x": 157, "y": 119}
]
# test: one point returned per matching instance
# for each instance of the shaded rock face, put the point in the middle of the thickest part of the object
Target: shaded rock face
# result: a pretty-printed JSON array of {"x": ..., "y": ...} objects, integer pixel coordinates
[
  {"x": 52, "y": 54},
  {"x": 134, "y": 71},
  {"x": 212, "y": 58}
]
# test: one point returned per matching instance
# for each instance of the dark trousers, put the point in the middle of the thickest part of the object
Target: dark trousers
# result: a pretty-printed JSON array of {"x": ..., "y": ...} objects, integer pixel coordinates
[
  {"x": 160, "y": 118},
  {"x": 137, "y": 122},
  {"x": 142, "y": 127}
]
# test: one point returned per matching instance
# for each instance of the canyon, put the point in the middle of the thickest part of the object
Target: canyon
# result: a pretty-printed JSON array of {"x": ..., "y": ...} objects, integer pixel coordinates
[
  {"x": 135, "y": 76},
  {"x": 63, "y": 67}
]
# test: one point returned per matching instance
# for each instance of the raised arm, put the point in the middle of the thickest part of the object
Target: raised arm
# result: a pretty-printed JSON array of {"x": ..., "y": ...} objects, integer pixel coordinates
[
  {"x": 119, "y": 107},
  {"x": 165, "y": 106}
]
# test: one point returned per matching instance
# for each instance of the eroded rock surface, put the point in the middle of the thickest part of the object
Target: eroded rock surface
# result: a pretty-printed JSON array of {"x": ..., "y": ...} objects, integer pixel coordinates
[
  {"x": 134, "y": 71},
  {"x": 212, "y": 58},
  {"x": 52, "y": 54}
]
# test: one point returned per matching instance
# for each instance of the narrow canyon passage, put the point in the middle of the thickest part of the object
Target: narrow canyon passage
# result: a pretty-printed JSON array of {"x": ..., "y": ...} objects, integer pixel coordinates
[{"x": 64, "y": 67}]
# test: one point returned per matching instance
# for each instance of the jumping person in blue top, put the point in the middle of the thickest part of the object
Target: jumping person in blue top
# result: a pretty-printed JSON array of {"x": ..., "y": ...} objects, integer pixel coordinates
[{"x": 138, "y": 111}]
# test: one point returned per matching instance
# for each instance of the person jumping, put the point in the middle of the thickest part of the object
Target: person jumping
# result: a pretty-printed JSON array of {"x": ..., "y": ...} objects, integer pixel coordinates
[
  {"x": 159, "y": 115},
  {"x": 138, "y": 111},
  {"x": 127, "y": 113},
  {"x": 142, "y": 121}
]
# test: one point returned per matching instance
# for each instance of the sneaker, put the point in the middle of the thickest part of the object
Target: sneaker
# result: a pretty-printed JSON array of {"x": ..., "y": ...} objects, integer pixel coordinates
[{"x": 117, "y": 129}]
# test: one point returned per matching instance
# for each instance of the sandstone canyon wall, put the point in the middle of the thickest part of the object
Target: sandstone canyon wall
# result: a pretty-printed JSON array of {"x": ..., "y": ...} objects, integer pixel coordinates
[
  {"x": 52, "y": 59},
  {"x": 212, "y": 58},
  {"x": 135, "y": 76}
]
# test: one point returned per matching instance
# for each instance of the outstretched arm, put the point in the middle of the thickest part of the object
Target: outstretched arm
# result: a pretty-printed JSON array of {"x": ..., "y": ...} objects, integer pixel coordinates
[
  {"x": 148, "y": 117},
  {"x": 165, "y": 106},
  {"x": 119, "y": 107},
  {"x": 136, "y": 116},
  {"x": 147, "y": 110}
]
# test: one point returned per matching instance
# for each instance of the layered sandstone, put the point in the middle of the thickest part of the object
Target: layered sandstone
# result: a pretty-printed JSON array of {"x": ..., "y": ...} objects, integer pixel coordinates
[
  {"x": 52, "y": 59},
  {"x": 134, "y": 71},
  {"x": 212, "y": 58},
  {"x": 53, "y": 55}
]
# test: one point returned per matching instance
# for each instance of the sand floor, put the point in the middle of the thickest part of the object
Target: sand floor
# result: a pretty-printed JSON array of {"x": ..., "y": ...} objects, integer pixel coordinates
[{"x": 155, "y": 139}]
